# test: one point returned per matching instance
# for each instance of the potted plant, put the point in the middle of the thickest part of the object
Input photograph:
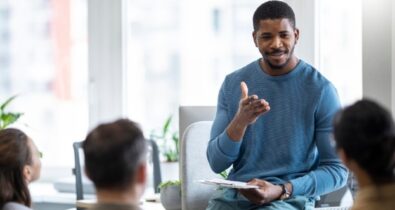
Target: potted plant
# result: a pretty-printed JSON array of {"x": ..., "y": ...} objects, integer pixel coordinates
[
  {"x": 7, "y": 118},
  {"x": 170, "y": 195},
  {"x": 168, "y": 142}
]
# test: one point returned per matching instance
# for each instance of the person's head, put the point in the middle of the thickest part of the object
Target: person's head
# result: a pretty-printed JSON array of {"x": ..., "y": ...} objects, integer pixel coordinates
[
  {"x": 275, "y": 35},
  {"x": 19, "y": 165},
  {"x": 365, "y": 136},
  {"x": 115, "y": 156}
]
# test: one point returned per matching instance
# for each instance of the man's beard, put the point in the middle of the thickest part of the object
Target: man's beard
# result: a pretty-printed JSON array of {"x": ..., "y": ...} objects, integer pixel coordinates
[{"x": 278, "y": 67}]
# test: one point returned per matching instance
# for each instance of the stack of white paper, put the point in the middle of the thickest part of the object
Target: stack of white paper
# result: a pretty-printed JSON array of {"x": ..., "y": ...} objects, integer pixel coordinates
[{"x": 229, "y": 184}]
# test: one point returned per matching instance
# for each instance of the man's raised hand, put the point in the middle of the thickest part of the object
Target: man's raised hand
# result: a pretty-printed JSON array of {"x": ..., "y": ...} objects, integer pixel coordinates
[{"x": 250, "y": 107}]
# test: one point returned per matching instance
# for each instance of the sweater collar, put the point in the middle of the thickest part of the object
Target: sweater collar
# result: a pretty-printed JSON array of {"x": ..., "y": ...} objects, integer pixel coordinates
[{"x": 286, "y": 76}]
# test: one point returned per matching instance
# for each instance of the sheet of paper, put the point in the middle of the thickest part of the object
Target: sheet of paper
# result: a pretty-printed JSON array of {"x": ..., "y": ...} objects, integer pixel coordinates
[{"x": 228, "y": 183}]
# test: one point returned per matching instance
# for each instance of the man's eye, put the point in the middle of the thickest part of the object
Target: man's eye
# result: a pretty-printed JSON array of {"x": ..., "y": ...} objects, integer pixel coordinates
[{"x": 265, "y": 37}]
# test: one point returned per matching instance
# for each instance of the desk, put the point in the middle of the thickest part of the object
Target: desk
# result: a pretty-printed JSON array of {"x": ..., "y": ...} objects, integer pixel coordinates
[
  {"x": 45, "y": 196},
  {"x": 152, "y": 206},
  {"x": 46, "y": 193},
  {"x": 144, "y": 206}
]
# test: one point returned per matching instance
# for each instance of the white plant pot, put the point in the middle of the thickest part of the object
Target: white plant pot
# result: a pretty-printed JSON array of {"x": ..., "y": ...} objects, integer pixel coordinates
[{"x": 170, "y": 197}]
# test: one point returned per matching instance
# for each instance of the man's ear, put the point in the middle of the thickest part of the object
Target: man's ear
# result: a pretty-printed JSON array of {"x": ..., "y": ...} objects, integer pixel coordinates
[
  {"x": 141, "y": 173},
  {"x": 27, "y": 173},
  {"x": 296, "y": 32},
  {"x": 254, "y": 38}
]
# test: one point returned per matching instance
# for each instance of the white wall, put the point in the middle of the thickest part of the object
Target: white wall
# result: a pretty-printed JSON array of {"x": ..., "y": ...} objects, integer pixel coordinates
[{"x": 377, "y": 49}]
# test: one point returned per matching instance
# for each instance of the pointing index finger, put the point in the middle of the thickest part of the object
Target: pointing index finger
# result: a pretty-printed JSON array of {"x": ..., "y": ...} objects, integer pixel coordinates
[{"x": 244, "y": 90}]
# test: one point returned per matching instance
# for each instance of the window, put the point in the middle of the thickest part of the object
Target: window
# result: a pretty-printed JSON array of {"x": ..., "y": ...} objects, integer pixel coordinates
[
  {"x": 180, "y": 51},
  {"x": 339, "y": 33},
  {"x": 43, "y": 59}
]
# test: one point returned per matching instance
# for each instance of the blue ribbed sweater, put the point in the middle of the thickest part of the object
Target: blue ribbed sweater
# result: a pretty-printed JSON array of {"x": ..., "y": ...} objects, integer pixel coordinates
[{"x": 288, "y": 143}]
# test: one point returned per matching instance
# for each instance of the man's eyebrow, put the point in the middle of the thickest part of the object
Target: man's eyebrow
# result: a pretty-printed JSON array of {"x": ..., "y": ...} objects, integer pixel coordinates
[{"x": 265, "y": 34}]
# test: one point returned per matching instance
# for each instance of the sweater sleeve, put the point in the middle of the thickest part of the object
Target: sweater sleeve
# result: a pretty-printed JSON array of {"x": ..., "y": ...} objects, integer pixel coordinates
[
  {"x": 330, "y": 174},
  {"x": 221, "y": 150}
]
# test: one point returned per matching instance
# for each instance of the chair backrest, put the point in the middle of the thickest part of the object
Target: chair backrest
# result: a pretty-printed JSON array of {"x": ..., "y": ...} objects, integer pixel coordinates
[
  {"x": 194, "y": 166},
  {"x": 341, "y": 197},
  {"x": 155, "y": 164},
  {"x": 77, "y": 170},
  {"x": 191, "y": 114}
]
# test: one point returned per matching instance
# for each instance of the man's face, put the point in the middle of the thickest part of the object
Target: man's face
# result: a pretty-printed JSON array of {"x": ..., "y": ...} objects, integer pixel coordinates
[{"x": 276, "y": 40}]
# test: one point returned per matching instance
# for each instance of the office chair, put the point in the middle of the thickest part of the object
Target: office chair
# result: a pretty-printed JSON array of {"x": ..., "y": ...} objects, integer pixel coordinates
[
  {"x": 194, "y": 166},
  {"x": 77, "y": 170}
]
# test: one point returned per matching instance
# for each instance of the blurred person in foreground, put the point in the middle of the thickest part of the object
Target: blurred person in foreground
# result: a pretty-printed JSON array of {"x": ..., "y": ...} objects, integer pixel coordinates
[
  {"x": 19, "y": 165},
  {"x": 115, "y": 161},
  {"x": 365, "y": 139}
]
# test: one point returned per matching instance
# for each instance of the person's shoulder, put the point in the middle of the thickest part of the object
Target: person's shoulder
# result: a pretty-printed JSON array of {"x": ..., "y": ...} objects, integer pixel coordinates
[
  {"x": 313, "y": 76},
  {"x": 15, "y": 206}
]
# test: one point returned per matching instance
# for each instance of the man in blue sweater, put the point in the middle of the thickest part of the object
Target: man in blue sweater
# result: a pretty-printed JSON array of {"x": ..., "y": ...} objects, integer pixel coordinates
[{"x": 284, "y": 147}]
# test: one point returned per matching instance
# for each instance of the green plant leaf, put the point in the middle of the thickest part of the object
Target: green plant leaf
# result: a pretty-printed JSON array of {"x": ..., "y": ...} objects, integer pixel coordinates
[
  {"x": 168, "y": 144},
  {"x": 171, "y": 156},
  {"x": 7, "y": 118},
  {"x": 224, "y": 174},
  {"x": 166, "y": 126},
  {"x": 169, "y": 183},
  {"x": 8, "y": 101},
  {"x": 176, "y": 141}
]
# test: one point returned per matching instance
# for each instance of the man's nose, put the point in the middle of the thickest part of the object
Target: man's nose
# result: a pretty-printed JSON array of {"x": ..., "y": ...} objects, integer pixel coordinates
[{"x": 276, "y": 43}]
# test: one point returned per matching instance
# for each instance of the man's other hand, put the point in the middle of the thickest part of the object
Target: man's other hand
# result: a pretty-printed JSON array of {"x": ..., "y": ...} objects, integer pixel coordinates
[{"x": 266, "y": 192}]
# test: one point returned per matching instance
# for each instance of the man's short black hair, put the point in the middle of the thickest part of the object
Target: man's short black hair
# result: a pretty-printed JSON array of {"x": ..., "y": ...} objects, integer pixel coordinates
[
  {"x": 113, "y": 152},
  {"x": 273, "y": 10}
]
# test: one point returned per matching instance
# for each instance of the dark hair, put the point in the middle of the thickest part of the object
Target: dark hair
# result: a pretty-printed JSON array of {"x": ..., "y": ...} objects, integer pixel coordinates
[
  {"x": 273, "y": 10},
  {"x": 113, "y": 152},
  {"x": 14, "y": 155},
  {"x": 366, "y": 133}
]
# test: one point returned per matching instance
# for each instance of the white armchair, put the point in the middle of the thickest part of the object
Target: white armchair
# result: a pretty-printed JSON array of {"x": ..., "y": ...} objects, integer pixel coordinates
[{"x": 194, "y": 166}]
